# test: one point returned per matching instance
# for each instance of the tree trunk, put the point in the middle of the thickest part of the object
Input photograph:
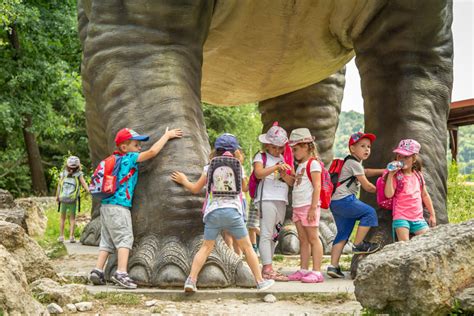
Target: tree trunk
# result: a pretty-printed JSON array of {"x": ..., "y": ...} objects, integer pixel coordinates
[{"x": 34, "y": 159}]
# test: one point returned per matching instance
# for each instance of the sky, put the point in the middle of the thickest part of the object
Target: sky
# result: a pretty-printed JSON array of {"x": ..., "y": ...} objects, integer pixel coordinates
[{"x": 463, "y": 37}]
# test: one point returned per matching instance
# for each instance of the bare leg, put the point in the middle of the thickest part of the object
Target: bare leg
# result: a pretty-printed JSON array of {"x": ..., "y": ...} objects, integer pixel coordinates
[
  {"x": 360, "y": 234},
  {"x": 122, "y": 262},
  {"x": 72, "y": 225},
  {"x": 316, "y": 247},
  {"x": 403, "y": 234},
  {"x": 61, "y": 224},
  {"x": 201, "y": 257},
  {"x": 304, "y": 245},
  {"x": 102, "y": 259},
  {"x": 251, "y": 257},
  {"x": 336, "y": 252}
]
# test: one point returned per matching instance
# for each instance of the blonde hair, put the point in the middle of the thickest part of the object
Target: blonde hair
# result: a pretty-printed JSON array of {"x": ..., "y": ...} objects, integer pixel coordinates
[{"x": 312, "y": 149}]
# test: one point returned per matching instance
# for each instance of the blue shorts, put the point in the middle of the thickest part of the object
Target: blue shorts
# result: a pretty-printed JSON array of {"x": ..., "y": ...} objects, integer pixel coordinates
[
  {"x": 228, "y": 219},
  {"x": 347, "y": 211},
  {"x": 412, "y": 226}
]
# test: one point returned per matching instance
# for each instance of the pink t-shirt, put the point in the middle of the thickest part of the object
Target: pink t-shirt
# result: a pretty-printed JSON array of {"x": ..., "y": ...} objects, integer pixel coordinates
[{"x": 407, "y": 202}]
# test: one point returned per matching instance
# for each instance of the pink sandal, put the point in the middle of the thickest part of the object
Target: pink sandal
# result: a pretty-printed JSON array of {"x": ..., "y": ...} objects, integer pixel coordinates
[
  {"x": 313, "y": 277},
  {"x": 274, "y": 275},
  {"x": 296, "y": 276}
]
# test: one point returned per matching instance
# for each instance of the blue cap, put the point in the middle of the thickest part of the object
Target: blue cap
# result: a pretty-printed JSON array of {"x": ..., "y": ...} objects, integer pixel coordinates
[{"x": 227, "y": 142}]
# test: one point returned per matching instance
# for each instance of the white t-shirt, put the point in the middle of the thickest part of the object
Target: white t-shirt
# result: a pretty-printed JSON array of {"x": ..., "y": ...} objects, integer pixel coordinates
[
  {"x": 223, "y": 202},
  {"x": 303, "y": 187},
  {"x": 274, "y": 188}
]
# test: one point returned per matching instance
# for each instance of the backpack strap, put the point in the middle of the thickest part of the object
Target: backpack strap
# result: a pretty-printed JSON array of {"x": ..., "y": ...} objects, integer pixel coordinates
[
  {"x": 128, "y": 176},
  {"x": 352, "y": 178},
  {"x": 264, "y": 160},
  {"x": 308, "y": 168}
]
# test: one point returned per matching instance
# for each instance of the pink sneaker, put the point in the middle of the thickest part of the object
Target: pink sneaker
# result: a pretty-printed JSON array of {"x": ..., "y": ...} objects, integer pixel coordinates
[
  {"x": 313, "y": 277},
  {"x": 296, "y": 276}
]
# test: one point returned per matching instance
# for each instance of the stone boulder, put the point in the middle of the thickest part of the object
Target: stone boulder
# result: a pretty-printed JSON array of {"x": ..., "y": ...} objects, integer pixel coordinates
[
  {"x": 27, "y": 251},
  {"x": 15, "y": 296},
  {"x": 49, "y": 291},
  {"x": 14, "y": 215},
  {"x": 35, "y": 217},
  {"x": 6, "y": 199},
  {"x": 465, "y": 300},
  {"x": 420, "y": 276}
]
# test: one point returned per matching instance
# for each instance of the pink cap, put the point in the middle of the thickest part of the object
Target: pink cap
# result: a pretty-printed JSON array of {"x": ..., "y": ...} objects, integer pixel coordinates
[
  {"x": 408, "y": 147},
  {"x": 276, "y": 136}
]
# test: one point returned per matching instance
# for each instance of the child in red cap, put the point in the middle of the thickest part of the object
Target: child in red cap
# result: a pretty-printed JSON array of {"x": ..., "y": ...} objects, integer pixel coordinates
[
  {"x": 347, "y": 209},
  {"x": 115, "y": 217}
]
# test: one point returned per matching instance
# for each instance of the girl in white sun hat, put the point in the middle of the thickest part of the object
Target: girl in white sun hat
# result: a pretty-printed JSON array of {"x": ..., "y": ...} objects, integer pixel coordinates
[
  {"x": 306, "y": 205},
  {"x": 271, "y": 195}
]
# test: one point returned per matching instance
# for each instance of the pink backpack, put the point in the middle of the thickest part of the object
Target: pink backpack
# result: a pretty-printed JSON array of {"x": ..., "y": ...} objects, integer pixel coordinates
[
  {"x": 385, "y": 202},
  {"x": 253, "y": 181}
]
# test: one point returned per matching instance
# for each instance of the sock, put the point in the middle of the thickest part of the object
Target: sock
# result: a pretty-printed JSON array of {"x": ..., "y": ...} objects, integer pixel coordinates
[
  {"x": 304, "y": 271},
  {"x": 100, "y": 270},
  {"x": 120, "y": 272}
]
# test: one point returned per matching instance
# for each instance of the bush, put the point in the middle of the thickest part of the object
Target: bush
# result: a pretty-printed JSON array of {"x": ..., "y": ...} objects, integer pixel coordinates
[{"x": 460, "y": 196}]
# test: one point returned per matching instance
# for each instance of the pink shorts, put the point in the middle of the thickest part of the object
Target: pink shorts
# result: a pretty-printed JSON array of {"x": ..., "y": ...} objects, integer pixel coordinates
[{"x": 301, "y": 214}]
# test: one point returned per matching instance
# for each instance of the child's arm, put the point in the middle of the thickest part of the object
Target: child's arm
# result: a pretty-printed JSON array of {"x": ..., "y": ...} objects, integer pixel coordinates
[
  {"x": 156, "y": 148},
  {"x": 366, "y": 185},
  {"x": 261, "y": 172},
  {"x": 373, "y": 172},
  {"x": 316, "y": 179},
  {"x": 245, "y": 184},
  {"x": 389, "y": 190},
  {"x": 194, "y": 188},
  {"x": 288, "y": 178},
  {"x": 83, "y": 183},
  {"x": 425, "y": 196}
]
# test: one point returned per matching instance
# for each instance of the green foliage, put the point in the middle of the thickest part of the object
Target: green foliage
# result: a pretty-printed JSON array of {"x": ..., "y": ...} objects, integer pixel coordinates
[
  {"x": 349, "y": 123},
  {"x": 460, "y": 196},
  {"x": 40, "y": 57},
  {"x": 243, "y": 121}
]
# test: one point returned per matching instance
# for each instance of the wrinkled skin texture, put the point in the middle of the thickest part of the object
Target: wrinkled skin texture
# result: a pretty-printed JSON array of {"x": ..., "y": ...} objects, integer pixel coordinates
[{"x": 145, "y": 64}]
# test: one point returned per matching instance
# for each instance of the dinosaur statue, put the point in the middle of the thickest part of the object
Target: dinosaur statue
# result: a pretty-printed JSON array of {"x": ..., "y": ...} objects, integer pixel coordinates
[{"x": 149, "y": 64}]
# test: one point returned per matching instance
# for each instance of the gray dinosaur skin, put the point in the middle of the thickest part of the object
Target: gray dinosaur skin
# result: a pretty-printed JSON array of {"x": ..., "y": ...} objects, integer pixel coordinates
[{"x": 141, "y": 68}]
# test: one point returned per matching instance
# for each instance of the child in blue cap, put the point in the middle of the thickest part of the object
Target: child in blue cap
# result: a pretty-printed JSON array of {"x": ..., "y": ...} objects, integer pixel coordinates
[{"x": 223, "y": 209}]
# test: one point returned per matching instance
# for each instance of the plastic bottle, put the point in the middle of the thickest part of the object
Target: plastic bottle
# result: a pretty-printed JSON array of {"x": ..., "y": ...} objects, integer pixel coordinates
[{"x": 394, "y": 165}]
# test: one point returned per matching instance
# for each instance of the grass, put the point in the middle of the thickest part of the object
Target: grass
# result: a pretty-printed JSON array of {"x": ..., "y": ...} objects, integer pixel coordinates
[
  {"x": 460, "y": 197},
  {"x": 319, "y": 298}
]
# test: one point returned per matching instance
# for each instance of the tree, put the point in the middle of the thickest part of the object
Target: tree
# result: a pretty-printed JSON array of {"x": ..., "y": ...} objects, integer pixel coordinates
[{"x": 39, "y": 82}]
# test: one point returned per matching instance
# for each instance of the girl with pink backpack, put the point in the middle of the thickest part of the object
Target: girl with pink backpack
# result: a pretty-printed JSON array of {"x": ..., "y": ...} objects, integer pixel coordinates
[{"x": 405, "y": 186}]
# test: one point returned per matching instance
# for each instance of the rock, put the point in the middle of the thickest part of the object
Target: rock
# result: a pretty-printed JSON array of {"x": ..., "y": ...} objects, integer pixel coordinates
[
  {"x": 269, "y": 298},
  {"x": 15, "y": 296},
  {"x": 74, "y": 277},
  {"x": 14, "y": 215},
  {"x": 26, "y": 250},
  {"x": 151, "y": 303},
  {"x": 84, "y": 306},
  {"x": 465, "y": 300},
  {"x": 49, "y": 291},
  {"x": 6, "y": 199},
  {"x": 54, "y": 308},
  {"x": 35, "y": 208},
  {"x": 70, "y": 308},
  {"x": 421, "y": 275}
]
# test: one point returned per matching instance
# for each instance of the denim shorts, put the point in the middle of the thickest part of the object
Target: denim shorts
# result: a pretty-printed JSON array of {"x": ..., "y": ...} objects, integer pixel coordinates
[
  {"x": 347, "y": 211},
  {"x": 412, "y": 226},
  {"x": 228, "y": 219}
]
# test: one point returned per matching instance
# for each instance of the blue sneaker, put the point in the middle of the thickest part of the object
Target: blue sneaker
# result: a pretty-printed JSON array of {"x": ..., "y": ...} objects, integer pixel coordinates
[
  {"x": 123, "y": 280},
  {"x": 97, "y": 277},
  {"x": 265, "y": 285},
  {"x": 190, "y": 286}
]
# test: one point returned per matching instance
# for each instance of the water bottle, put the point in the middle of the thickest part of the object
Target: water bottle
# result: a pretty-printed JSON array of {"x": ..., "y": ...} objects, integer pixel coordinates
[
  {"x": 275, "y": 235},
  {"x": 394, "y": 165}
]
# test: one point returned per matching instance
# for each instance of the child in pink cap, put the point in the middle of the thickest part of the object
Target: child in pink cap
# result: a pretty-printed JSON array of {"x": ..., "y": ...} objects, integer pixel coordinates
[
  {"x": 407, "y": 187},
  {"x": 271, "y": 195}
]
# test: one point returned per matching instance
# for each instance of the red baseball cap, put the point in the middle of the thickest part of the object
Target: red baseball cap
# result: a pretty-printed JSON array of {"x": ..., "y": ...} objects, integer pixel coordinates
[
  {"x": 359, "y": 135},
  {"x": 129, "y": 134}
]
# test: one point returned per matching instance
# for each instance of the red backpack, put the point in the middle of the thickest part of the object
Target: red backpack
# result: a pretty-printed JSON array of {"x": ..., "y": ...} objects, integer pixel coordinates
[
  {"x": 104, "y": 181},
  {"x": 326, "y": 184},
  {"x": 335, "y": 172},
  {"x": 253, "y": 181}
]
